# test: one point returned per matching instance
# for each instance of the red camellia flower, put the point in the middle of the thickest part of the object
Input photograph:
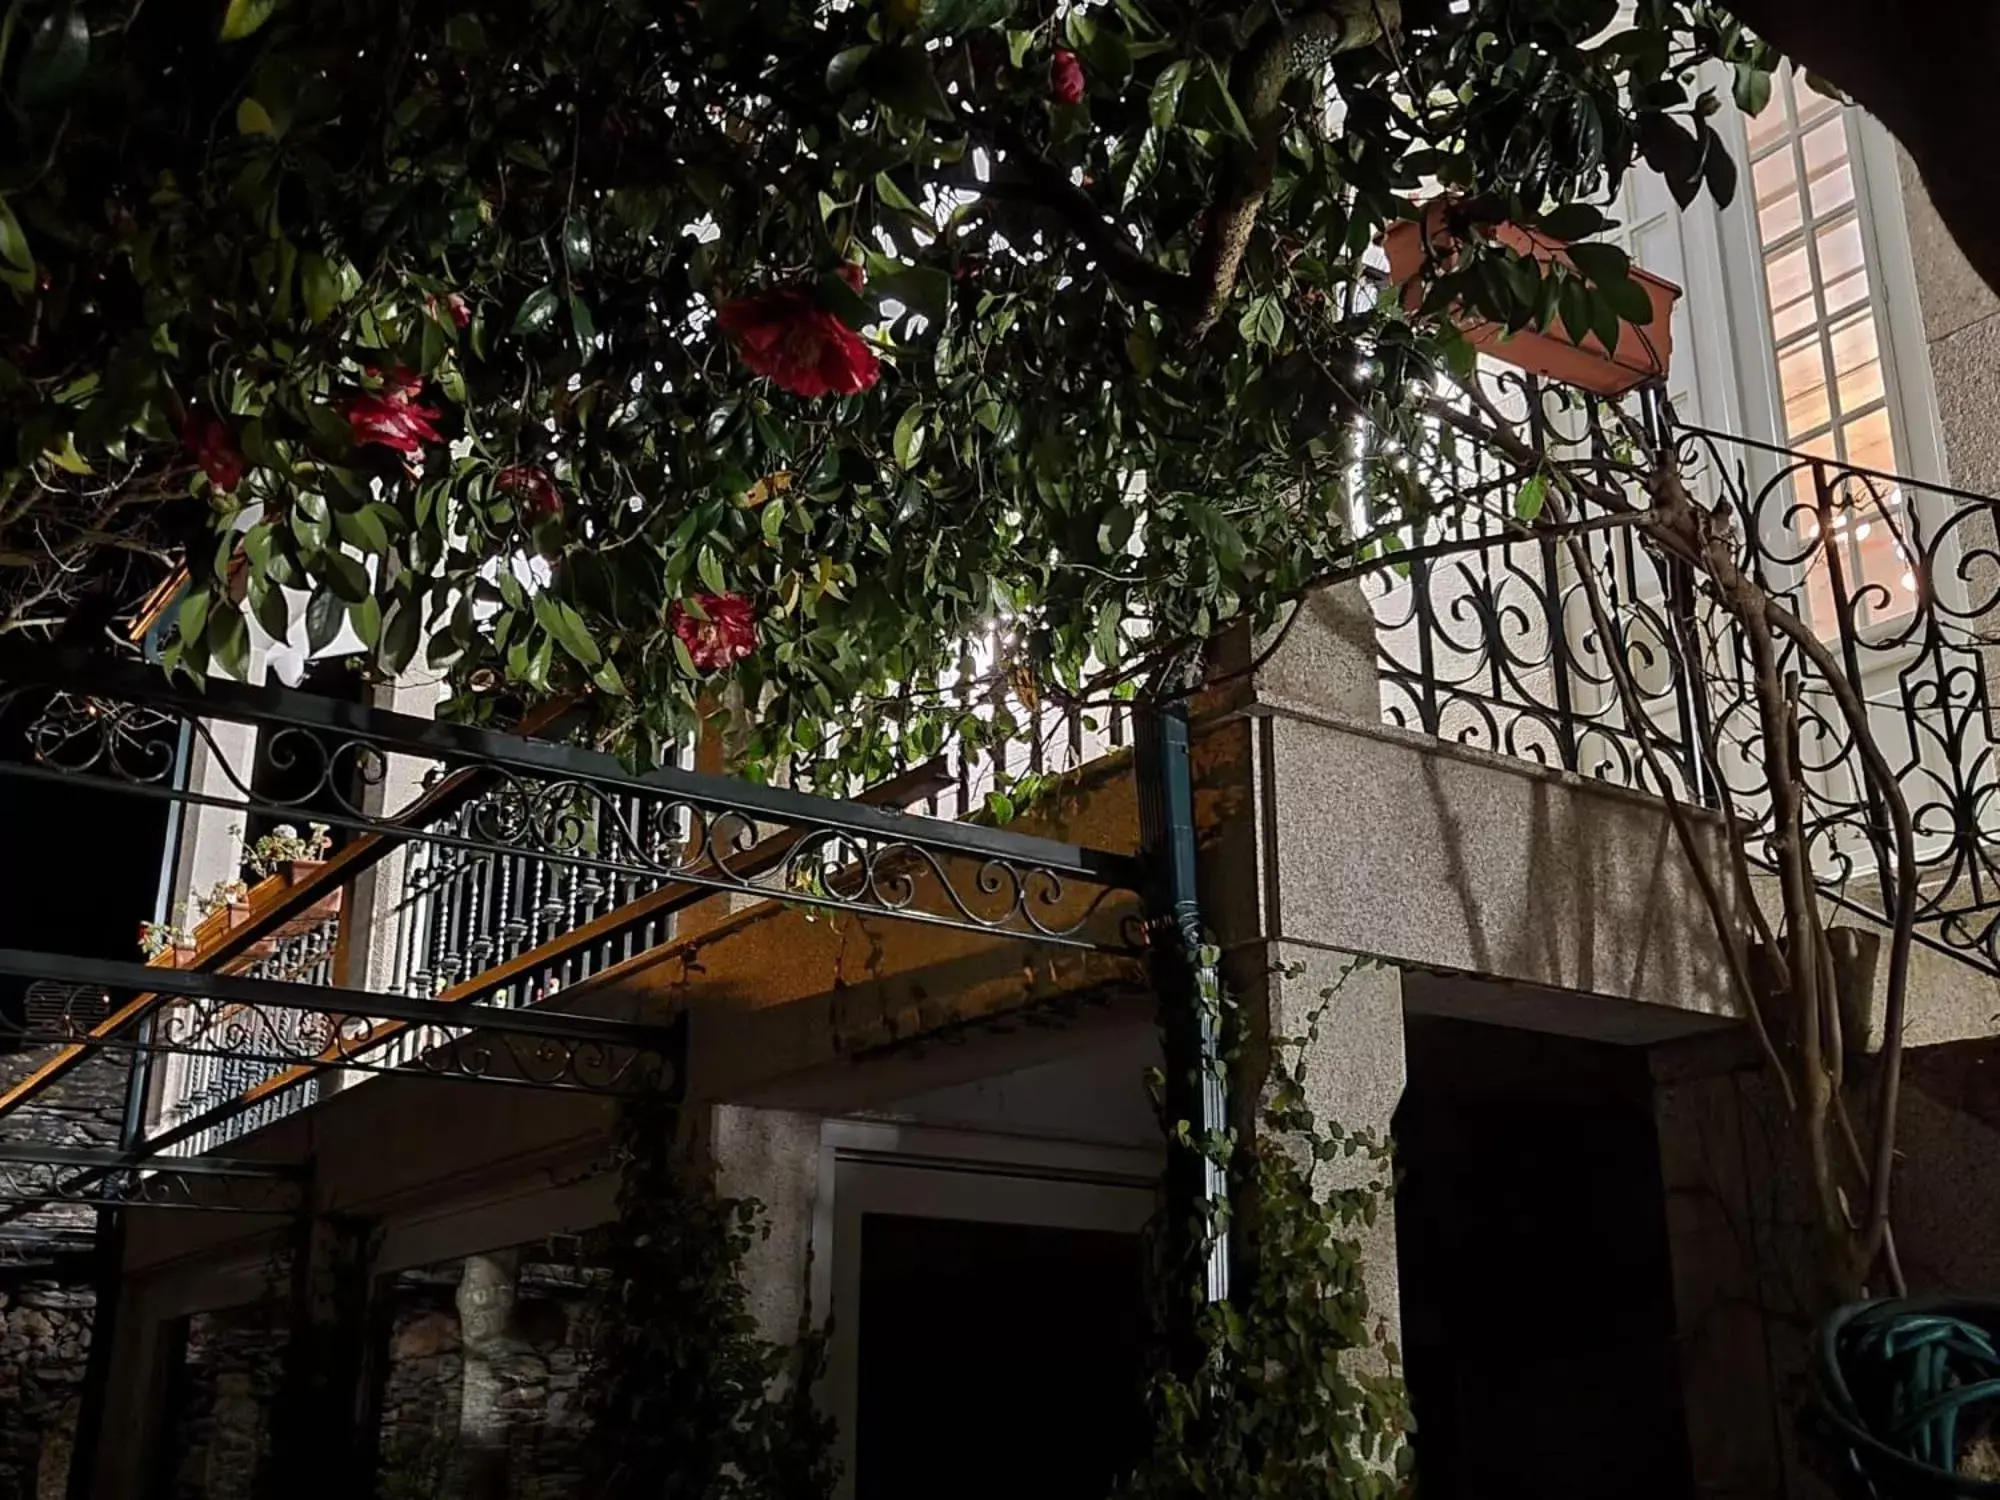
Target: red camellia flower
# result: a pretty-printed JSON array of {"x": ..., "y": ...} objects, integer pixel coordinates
[
  {"x": 800, "y": 345},
  {"x": 535, "y": 488},
  {"x": 392, "y": 417},
  {"x": 461, "y": 314},
  {"x": 1066, "y": 78},
  {"x": 728, "y": 634},
  {"x": 208, "y": 440},
  {"x": 852, "y": 273}
]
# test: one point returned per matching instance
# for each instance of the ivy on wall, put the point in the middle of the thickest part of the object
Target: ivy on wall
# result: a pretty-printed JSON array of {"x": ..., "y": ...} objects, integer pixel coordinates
[
  {"x": 688, "y": 1401},
  {"x": 1292, "y": 1392}
]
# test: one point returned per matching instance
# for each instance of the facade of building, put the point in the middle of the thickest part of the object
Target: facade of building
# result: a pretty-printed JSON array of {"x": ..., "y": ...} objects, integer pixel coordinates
[{"x": 1593, "y": 1246}]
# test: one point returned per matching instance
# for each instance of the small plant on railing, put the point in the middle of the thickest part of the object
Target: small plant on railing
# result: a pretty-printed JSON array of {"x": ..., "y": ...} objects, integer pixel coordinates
[
  {"x": 284, "y": 846},
  {"x": 156, "y": 938},
  {"x": 219, "y": 897}
]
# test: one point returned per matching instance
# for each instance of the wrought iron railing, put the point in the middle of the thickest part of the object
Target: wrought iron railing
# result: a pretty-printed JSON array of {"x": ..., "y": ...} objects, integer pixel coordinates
[
  {"x": 522, "y": 868},
  {"x": 1490, "y": 643}
]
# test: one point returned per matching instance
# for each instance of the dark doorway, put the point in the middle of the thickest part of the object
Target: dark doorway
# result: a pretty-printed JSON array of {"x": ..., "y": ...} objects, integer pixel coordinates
[
  {"x": 1538, "y": 1321},
  {"x": 997, "y": 1360}
]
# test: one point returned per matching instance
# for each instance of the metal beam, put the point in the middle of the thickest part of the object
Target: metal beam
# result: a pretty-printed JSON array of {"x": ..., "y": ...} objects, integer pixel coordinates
[
  {"x": 34, "y": 1153},
  {"x": 334, "y": 1000},
  {"x": 79, "y": 672}
]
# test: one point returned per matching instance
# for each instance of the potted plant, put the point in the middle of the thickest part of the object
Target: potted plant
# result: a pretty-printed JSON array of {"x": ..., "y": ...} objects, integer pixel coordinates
[
  {"x": 1574, "y": 339},
  {"x": 283, "y": 851},
  {"x": 166, "y": 945}
]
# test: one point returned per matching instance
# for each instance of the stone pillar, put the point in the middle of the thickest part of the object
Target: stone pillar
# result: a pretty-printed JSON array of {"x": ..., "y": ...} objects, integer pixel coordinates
[
  {"x": 323, "y": 1438},
  {"x": 371, "y": 940},
  {"x": 772, "y": 1155},
  {"x": 1254, "y": 767},
  {"x": 486, "y": 1293}
]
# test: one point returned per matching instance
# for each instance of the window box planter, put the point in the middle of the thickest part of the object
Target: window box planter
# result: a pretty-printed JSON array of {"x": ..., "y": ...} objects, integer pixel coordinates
[{"x": 1644, "y": 349}]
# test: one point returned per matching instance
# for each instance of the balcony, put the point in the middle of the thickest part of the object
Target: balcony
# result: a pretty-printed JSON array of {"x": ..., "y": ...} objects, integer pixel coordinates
[{"x": 502, "y": 877}]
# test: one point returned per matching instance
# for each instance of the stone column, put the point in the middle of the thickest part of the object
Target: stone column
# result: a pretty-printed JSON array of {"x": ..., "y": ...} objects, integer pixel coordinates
[
  {"x": 772, "y": 1155},
  {"x": 486, "y": 1293},
  {"x": 371, "y": 941},
  {"x": 1255, "y": 767}
]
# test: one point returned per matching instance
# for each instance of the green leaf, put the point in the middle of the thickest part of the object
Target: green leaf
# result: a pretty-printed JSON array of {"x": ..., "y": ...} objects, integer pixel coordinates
[
  {"x": 56, "y": 56},
  {"x": 364, "y": 528},
  {"x": 562, "y": 622},
  {"x": 576, "y": 242},
  {"x": 1263, "y": 321},
  {"x": 901, "y": 78},
  {"x": 1238, "y": 126},
  {"x": 1599, "y": 262},
  {"x": 65, "y": 457},
  {"x": 538, "y": 311},
  {"x": 1534, "y": 495},
  {"x": 365, "y": 615},
  {"x": 228, "y": 641},
  {"x": 1145, "y": 164},
  {"x": 607, "y": 679},
  {"x": 1572, "y": 221},
  {"x": 909, "y": 438},
  {"x": 893, "y": 196},
  {"x": 1164, "y": 102},
  {"x": 321, "y": 286},
  {"x": 1752, "y": 88},
  {"x": 1019, "y": 45},
  {"x": 346, "y": 576},
  {"x": 843, "y": 74},
  {"x": 580, "y": 322},
  {"x": 708, "y": 567},
  {"x": 193, "y": 614},
  {"x": 465, "y": 33},
  {"x": 17, "y": 262},
  {"x": 244, "y": 17},
  {"x": 324, "y": 614},
  {"x": 401, "y": 633},
  {"x": 271, "y": 610},
  {"x": 253, "y": 119}
]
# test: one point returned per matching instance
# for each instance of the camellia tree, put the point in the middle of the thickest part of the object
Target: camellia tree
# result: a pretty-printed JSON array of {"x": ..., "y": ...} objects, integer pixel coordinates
[{"x": 653, "y": 350}]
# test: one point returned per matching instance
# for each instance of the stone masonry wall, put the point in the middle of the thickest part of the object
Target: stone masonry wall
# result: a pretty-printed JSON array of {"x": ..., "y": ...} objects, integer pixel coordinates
[
  {"x": 540, "y": 1365},
  {"x": 45, "y": 1327}
]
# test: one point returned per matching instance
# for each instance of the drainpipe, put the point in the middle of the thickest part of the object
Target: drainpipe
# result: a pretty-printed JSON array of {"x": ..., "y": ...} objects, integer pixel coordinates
[{"x": 1194, "y": 1086}]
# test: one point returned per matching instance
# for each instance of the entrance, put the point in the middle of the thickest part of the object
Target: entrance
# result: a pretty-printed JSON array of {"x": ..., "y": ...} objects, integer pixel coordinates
[
  {"x": 1538, "y": 1321},
  {"x": 990, "y": 1334}
]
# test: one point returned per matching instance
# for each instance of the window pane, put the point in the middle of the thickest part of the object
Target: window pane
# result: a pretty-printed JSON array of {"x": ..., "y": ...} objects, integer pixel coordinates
[
  {"x": 1839, "y": 250},
  {"x": 1869, "y": 445},
  {"x": 1777, "y": 196},
  {"x": 1846, "y": 292},
  {"x": 1789, "y": 278},
  {"x": 1857, "y": 363},
  {"x": 1802, "y": 379},
  {"x": 1809, "y": 104},
  {"x": 1834, "y": 190},
  {"x": 1770, "y": 125},
  {"x": 1825, "y": 147}
]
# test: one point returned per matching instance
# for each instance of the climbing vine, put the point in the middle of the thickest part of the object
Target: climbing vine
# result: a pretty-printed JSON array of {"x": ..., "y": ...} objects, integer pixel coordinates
[
  {"x": 688, "y": 1401},
  {"x": 1290, "y": 1391}
]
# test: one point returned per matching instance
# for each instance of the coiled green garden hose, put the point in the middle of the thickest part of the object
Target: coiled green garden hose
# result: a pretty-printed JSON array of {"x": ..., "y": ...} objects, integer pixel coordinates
[{"x": 1908, "y": 1396}]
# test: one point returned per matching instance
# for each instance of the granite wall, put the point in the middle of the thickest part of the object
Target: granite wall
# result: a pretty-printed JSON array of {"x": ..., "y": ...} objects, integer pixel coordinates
[{"x": 44, "y": 1325}]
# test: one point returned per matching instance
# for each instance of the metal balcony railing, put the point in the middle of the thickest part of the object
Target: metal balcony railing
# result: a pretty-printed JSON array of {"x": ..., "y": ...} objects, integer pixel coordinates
[{"x": 1494, "y": 647}]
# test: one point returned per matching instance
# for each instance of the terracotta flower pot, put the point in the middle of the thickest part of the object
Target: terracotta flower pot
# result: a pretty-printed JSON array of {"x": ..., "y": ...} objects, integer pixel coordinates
[
  {"x": 1644, "y": 349},
  {"x": 299, "y": 871}
]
